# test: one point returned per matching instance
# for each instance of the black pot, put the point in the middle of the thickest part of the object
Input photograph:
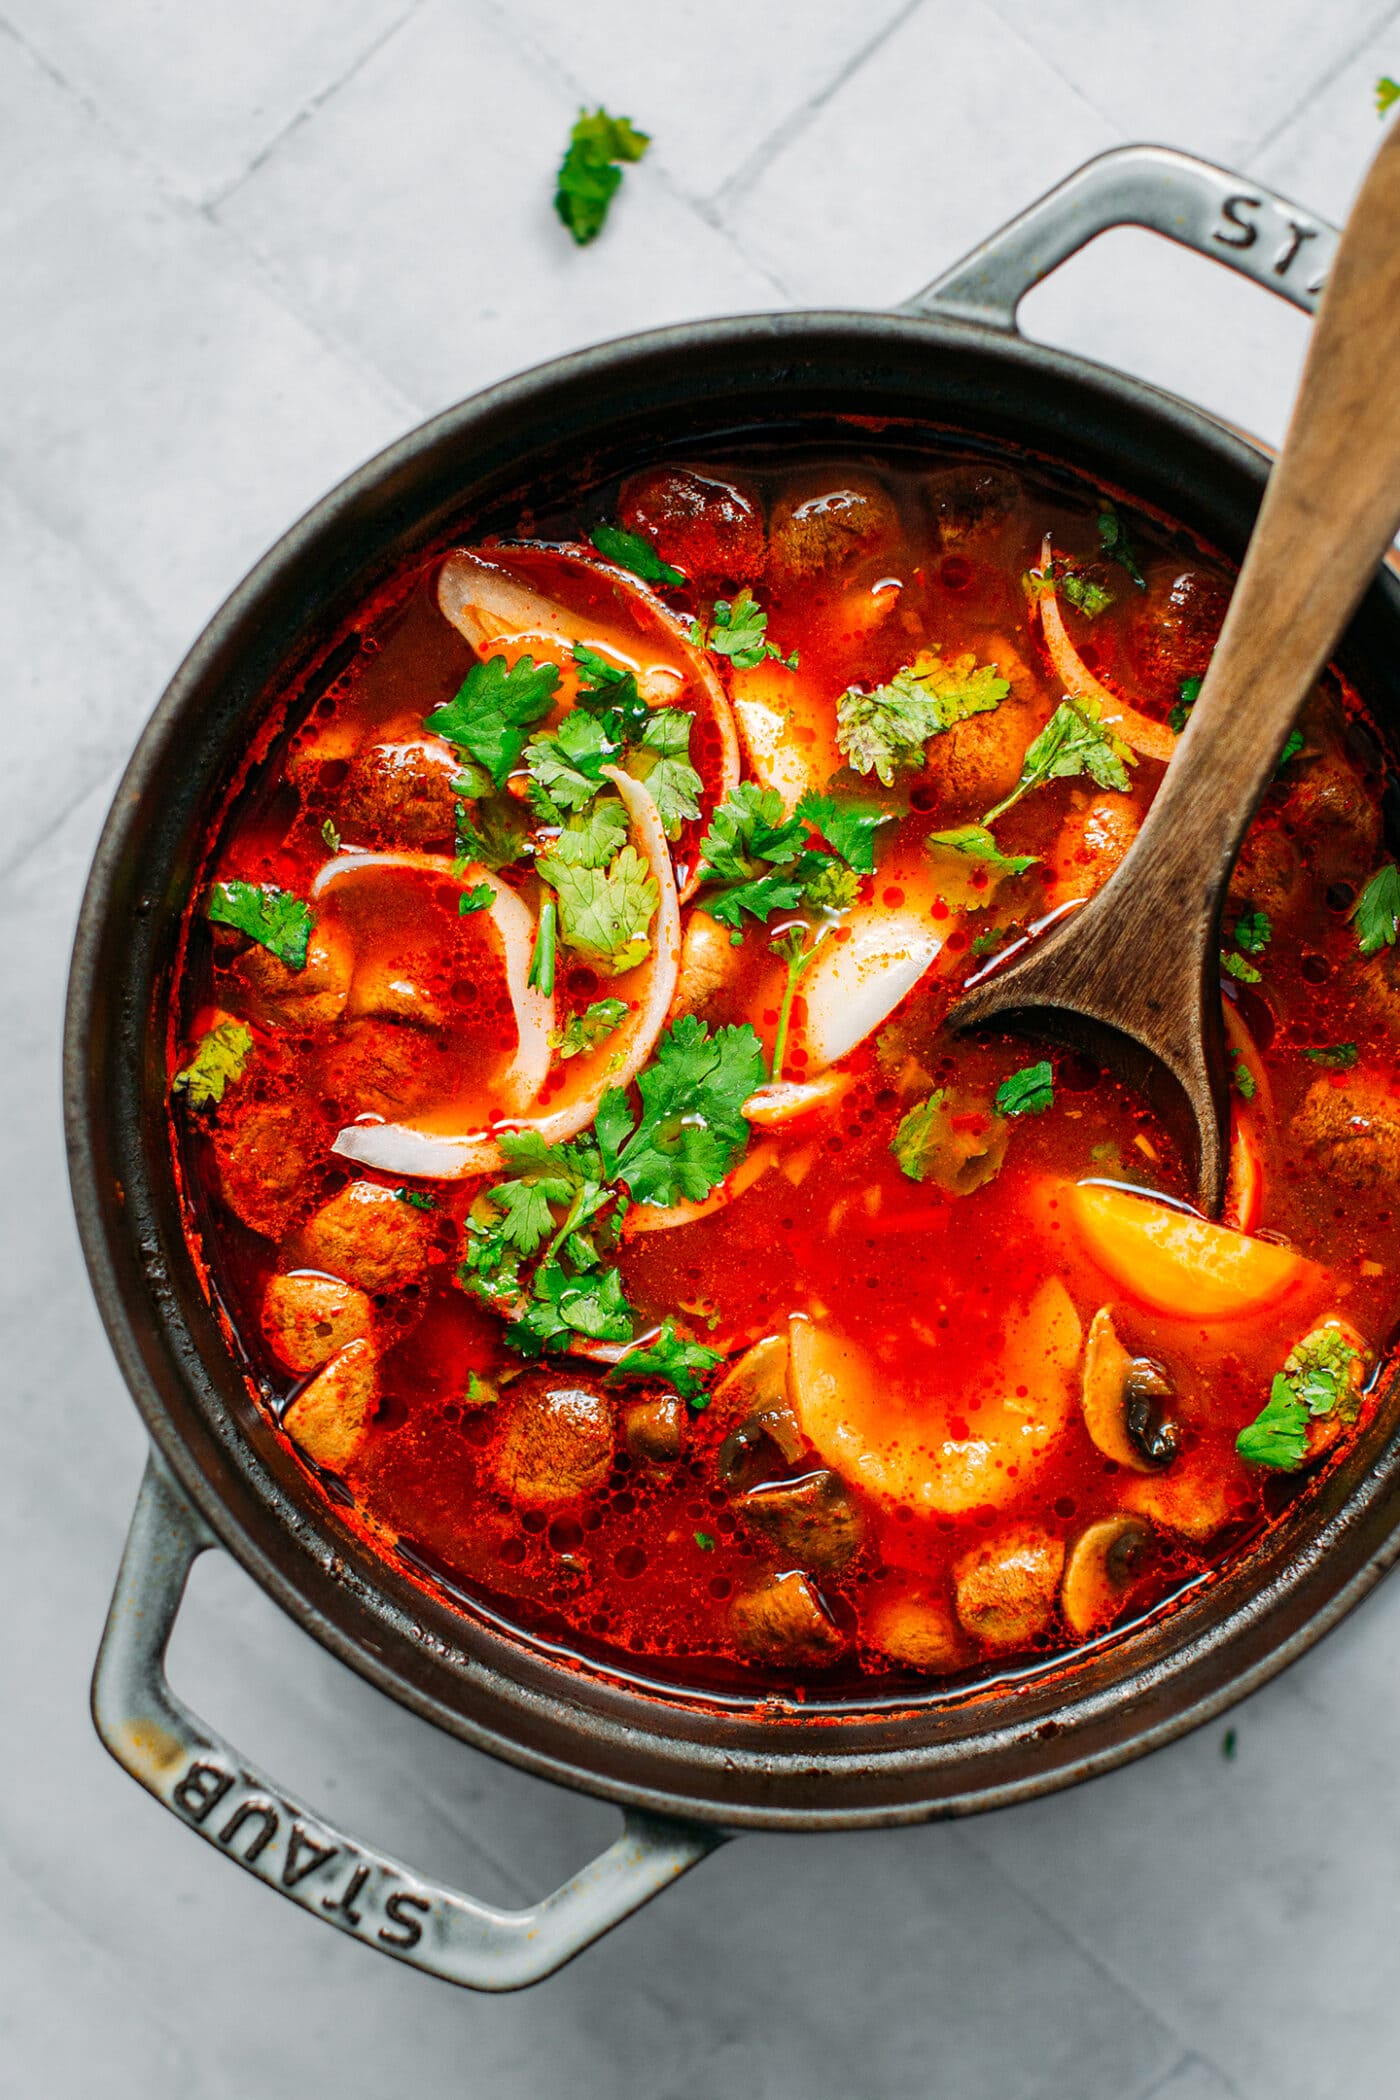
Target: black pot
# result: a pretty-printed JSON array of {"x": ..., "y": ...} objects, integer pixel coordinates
[{"x": 687, "y": 1770}]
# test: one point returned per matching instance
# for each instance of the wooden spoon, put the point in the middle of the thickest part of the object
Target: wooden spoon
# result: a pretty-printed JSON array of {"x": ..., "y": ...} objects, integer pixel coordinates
[{"x": 1132, "y": 976}]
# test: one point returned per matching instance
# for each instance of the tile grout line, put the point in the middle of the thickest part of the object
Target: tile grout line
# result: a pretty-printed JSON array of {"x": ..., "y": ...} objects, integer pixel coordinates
[{"x": 1318, "y": 87}]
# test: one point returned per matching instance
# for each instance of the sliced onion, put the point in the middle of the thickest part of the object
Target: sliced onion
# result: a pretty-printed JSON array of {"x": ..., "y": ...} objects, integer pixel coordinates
[
  {"x": 653, "y": 1217},
  {"x": 1150, "y": 739},
  {"x": 508, "y": 599},
  {"x": 786, "y": 1100},
  {"x": 854, "y": 985}
]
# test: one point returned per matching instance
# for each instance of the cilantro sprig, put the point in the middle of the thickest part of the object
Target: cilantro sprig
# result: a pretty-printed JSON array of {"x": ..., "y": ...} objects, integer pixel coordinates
[
  {"x": 220, "y": 1057},
  {"x": 738, "y": 629},
  {"x": 1028, "y": 1092},
  {"x": 1113, "y": 538},
  {"x": 689, "y": 1131},
  {"x": 1337, "y": 1057},
  {"x": 630, "y": 551},
  {"x": 274, "y": 918},
  {"x": 755, "y": 860},
  {"x": 1376, "y": 912},
  {"x": 1320, "y": 1377},
  {"x": 1073, "y": 742},
  {"x": 590, "y": 171},
  {"x": 590, "y": 1029},
  {"x": 975, "y": 842},
  {"x": 887, "y": 728},
  {"x": 682, "y": 1364},
  {"x": 491, "y": 713}
]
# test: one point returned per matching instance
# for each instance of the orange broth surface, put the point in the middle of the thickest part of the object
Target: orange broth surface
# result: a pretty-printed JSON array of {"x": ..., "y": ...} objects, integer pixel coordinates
[{"x": 931, "y": 1410}]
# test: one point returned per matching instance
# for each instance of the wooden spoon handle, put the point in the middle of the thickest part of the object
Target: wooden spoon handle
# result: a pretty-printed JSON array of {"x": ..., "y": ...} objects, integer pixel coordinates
[{"x": 1330, "y": 511}]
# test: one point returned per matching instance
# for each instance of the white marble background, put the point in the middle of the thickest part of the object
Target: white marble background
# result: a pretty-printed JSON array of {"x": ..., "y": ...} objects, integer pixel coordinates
[{"x": 241, "y": 246}]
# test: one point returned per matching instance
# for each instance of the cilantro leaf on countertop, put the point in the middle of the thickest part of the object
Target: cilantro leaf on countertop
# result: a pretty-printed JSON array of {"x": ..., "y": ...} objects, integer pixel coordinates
[
  {"x": 886, "y": 728},
  {"x": 679, "y": 1363},
  {"x": 1377, "y": 910},
  {"x": 1387, "y": 94},
  {"x": 1073, "y": 742},
  {"x": 977, "y": 843},
  {"x": 220, "y": 1057},
  {"x": 1028, "y": 1092},
  {"x": 273, "y": 918},
  {"x": 584, "y": 1032},
  {"x": 738, "y": 629},
  {"x": 690, "y": 1130},
  {"x": 492, "y": 709},
  {"x": 589, "y": 173},
  {"x": 633, "y": 553},
  {"x": 748, "y": 854},
  {"x": 1113, "y": 537},
  {"x": 604, "y": 913}
]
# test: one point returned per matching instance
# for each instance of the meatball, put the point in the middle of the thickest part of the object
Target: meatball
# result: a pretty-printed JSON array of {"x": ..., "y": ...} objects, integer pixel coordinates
[
  {"x": 368, "y": 1238},
  {"x": 1268, "y": 875},
  {"x": 812, "y": 1519},
  {"x": 264, "y": 1157},
  {"x": 1092, "y": 841},
  {"x": 655, "y": 1429},
  {"x": 1006, "y": 1587},
  {"x": 311, "y": 997},
  {"x": 970, "y": 505},
  {"x": 1351, "y": 1126},
  {"x": 914, "y": 1626},
  {"x": 558, "y": 1441},
  {"x": 401, "y": 794},
  {"x": 375, "y": 1068},
  {"x": 814, "y": 538},
  {"x": 330, "y": 1416},
  {"x": 784, "y": 1620},
  {"x": 977, "y": 762},
  {"x": 307, "y": 1318},
  {"x": 1176, "y": 630},
  {"x": 1335, "y": 818},
  {"x": 708, "y": 526}
]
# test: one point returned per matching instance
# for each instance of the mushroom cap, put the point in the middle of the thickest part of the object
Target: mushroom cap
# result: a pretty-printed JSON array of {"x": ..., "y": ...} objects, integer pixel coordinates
[
  {"x": 1102, "y": 1565},
  {"x": 1118, "y": 1393}
]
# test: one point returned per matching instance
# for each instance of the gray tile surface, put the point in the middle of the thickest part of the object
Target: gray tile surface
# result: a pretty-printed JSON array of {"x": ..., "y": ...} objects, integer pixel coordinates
[{"x": 241, "y": 246}]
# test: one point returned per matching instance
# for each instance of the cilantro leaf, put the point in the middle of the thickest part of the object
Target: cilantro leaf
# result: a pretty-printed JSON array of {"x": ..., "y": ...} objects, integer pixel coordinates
[
  {"x": 879, "y": 731},
  {"x": 1073, "y": 742},
  {"x": 748, "y": 854},
  {"x": 661, "y": 757},
  {"x": 1113, "y": 537},
  {"x": 1235, "y": 966},
  {"x": 566, "y": 764},
  {"x": 220, "y": 1056},
  {"x": 1028, "y": 1092},
  {"x": 585, "y": 1031},
  {"x": 330, "y": 837},
  {"x": 848, "y": 823},
  {"x": 605, "y": 913},
  {"x": 1278, "y": 1435},
  {"x": 611, "y": 691},
  {"x": 1083, "y": 593},
  {"x": 738, "y": 629},
  {"x": 1377, "y": 910},
  {"x": 691, "y": 1130},
  {"x": 273, "y": 918},
  {"x": 494, "y": 834},
  {"x": 632, "y": 552},
  {"x": 519, "y": 1219},
  {"x": 1245, "y": 1085},
  {"x": 977, "y": 843},
  {"x": 1293, "y": 744},
  {"x": 827, "y": 884},
  {"x": 1253, "y": 932},
  {"x": 680, "y": 1363},
  {"x": 589, "y": 175},
  {"x": 960, "y": 1151},
  {"x": 1338, "y": 1057},
  {"x": 1387, "y": 94},
  {"x": 1324, "y": 1370},
  {"x": 562, "y": 1305},
  {"x": 416, "y": 1199},
  {"x": 491, "y": 710},
  {"x": 594, "y": 838},
  {"x": 480, "y": 897},
  {"x": 1188, "y": 693}
]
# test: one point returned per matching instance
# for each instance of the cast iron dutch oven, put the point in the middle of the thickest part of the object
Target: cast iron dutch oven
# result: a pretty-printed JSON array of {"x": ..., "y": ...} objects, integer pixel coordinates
[{"x": 686, "y": 1773}]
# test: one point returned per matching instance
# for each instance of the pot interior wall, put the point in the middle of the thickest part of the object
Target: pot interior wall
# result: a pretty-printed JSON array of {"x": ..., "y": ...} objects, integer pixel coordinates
[{"x": 532, "y": 439}]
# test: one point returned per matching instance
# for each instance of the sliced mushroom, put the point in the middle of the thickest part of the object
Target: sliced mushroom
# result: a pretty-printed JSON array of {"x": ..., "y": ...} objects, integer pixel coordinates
[
  {"x": 1126, "y": 1401},
  {"x": 655, "y": 1429},
  {"x": 1005, "y": 1588},
  {"x": 330, "y": 1417},
  {"x": 783, "y": 1620},
  {"x": 814, "y": 1518},
  {"x": 1101, "y": 1567},
  {"x": 756, "y": 1381},
  {"x": 748, "y": 1451},
  {"x": 915, "y": 1626},
  {"x": 558, "y": 1442}
]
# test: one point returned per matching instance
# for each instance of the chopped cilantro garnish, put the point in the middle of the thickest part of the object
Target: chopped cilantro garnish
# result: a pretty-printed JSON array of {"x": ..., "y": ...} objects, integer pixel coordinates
[
  {"x": 1244, "y": 1080},
  {"x": 221, "y": 1055},
  {"x": 748, "y": 854},
  {"x": 1084, "y": 594},
  {"x": 1320, "y": 1377},
  {"x": 1278, "y": 1435},
  {"x": 416, "y": 1199},
  {"x": 1377, "y": 910},
  {"x": 558, "y": 1208},
  {"x": 977, "y": 843},
  {"x": 984, "y": 943},
  {"x": 959, "y": 1151},
  {"x": 848, "y": 823},
  {"x": 1028, "y": 1092},
  {"x": 691, "y": 1129},
  {"x": 1235, "y": 966},
  {"x": 566, "y": 764},
  {"x": 679, "y": 1363},
  {"x": 1292, "y": 746},
  {"x": 273, "y": 918},
  {"x": 562, "y": 1305},
  {"x": 480, "y": 1391},
  {"x": 1253, "y": 932},
  {"x": 632, "y": 552},
  {"x": 480, "y": 897},
  {"x": 585, "y": 1031},
  {"x": 704, "y": 1541},
  {"x": 606, "y": 688},
  {"x": 330, "y": 836},
  {"x": 541, "y": 971},
  {"x": 493, "y": 708},
  {"x": 827, "y": 885},
  {"x": 1073, "y": 742},
  {"x": 1188, "y": 693},
  {"x": 594, "y": 838},
  {"x": 589, "y": 173},
  {"x": 493, "y": 834},
  {"x": 1113, "y": 538},
  {"x": 1387, "y": 94},
  {"x": 738, "y": 629},
  {"x": 604, "y": 913},
  {"x": 879, "y": 731},
  {"x": 1338, "y": 1057},
  {"x": 661, "y": 758}
]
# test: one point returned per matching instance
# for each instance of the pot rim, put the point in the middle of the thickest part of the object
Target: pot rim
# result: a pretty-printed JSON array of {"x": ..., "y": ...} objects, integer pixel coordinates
[{"x": 513, "y": 1701}]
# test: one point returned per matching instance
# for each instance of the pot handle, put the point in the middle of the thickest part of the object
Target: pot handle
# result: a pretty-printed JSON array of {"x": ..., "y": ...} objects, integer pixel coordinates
[
  {"x": 1253, "y": 229},
  {"x": 235, "y": 1807}
]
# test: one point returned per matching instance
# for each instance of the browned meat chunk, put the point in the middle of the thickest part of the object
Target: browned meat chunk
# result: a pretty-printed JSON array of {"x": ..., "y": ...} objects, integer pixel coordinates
[
  {"x": 915, "y": 1626},
  {"x": 1268, "y": 875},
  {"x": 558, "y": 1441},
  {"x": 817, "y": 536},
  {"x": 1336, "y": 819},
  {"x": 710, "y": 527},
  {"x": 307, "y": 1318},
  {"x": 1351, "y": 1126},
  {"x": 1006, "y": 1587},
  {"x": 308, "y": 998},
  {"x": 812, "y": 1519},
  {"x": 976, "y": 763},
  {"x": 368, "y": 1238},
  {"x": 970, "y": 505},
  {"x": 1178, "y": 622},
  {"x": 400, "y": 795},
  {"x": 330, "y": 1416},
  {"x": 783, "y": 1620},
  {"x": 655, "y": 1429},
  {"x": 264, "y": 1159},
  {"x": 375, "y": 1067}
]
